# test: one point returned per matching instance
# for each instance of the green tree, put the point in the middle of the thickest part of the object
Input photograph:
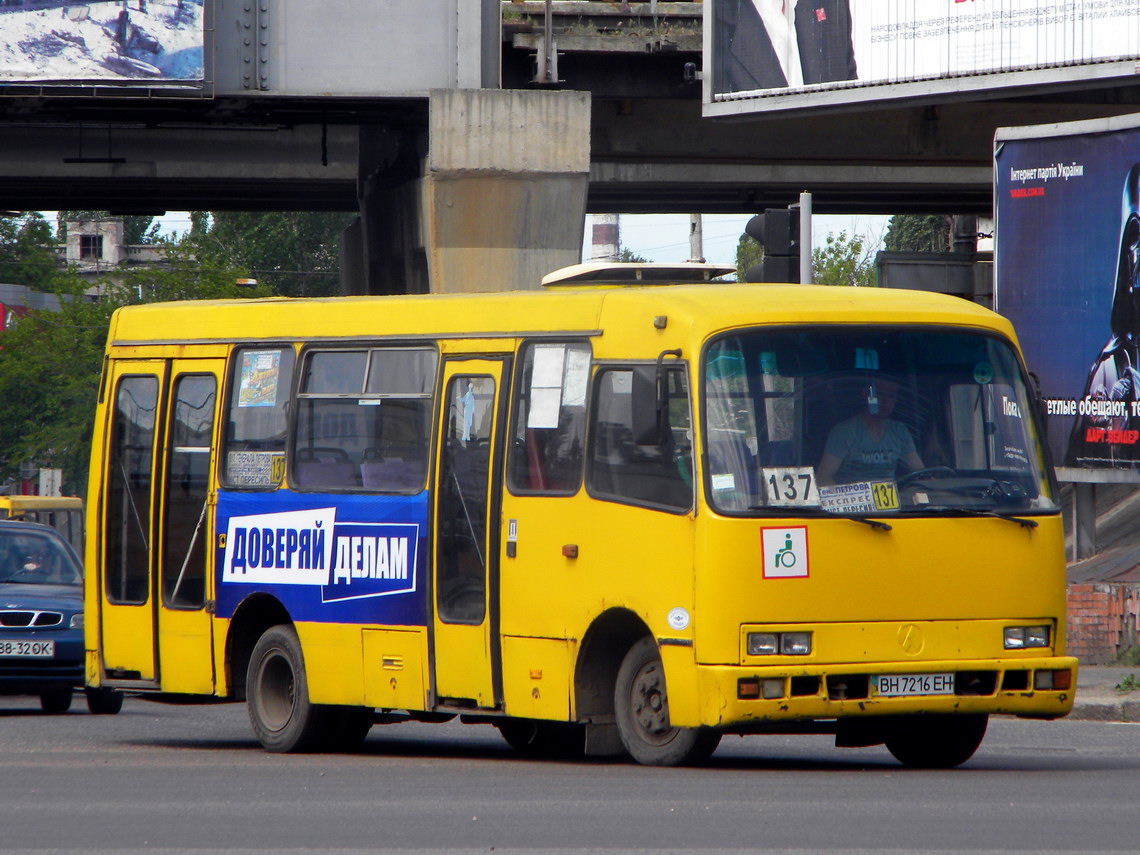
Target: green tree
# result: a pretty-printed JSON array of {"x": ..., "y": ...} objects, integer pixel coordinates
[
  {"x": 50, "y": 362},
  {"x": 918, "y": 233},
  {"x": 27, "y": 256},
  {"x": 137, "y": 228},
  {"x": 842, "y": 260},
  {"x": 749, "y": 253},
  {"x": 293, "y": 253},
  {"x": 628, "y": 256}
]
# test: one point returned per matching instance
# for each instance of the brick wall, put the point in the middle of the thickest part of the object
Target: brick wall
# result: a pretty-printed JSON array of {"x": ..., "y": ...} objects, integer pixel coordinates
[{"x": 1103, "y": 620}]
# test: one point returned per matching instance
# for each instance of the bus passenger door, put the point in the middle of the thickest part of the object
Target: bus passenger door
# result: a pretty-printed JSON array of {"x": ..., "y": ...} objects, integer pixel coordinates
[
  {"x": 185, "y": 530},
  {"x": 467, "y": 656},
  {"x": 127, "y": 612},
  {"x": 156, "y": 526}
]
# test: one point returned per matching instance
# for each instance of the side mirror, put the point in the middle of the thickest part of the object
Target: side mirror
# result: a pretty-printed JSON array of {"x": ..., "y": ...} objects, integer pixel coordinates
[
  {"x": 646, "y": 394},
  {"x": 650, "y": 401}
]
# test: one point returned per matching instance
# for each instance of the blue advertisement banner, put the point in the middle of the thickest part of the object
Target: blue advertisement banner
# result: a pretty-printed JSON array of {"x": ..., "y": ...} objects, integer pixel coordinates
[
  {"x": 1067, "y": 211},
  {"x": 330, "y": 558}
]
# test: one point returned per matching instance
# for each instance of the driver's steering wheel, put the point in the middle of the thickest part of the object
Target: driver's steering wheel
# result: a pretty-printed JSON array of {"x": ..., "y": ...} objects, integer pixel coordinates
[{"x": 926, "y": 472}]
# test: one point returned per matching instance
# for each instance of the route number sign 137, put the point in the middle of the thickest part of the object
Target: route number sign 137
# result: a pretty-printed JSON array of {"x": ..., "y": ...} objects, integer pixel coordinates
[{"x": 790, "y": 487}]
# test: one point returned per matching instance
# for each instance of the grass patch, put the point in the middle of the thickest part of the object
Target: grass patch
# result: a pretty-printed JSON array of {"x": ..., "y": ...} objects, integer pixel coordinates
[{"x": 1130, "y": 683}]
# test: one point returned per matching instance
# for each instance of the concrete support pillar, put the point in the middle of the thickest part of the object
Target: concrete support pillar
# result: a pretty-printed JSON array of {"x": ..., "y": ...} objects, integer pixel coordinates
[{"x": 504, "y": 187}]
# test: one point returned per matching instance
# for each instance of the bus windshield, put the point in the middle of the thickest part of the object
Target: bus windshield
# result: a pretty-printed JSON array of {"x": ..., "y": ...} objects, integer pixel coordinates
[{"x": 870, "y": 420}]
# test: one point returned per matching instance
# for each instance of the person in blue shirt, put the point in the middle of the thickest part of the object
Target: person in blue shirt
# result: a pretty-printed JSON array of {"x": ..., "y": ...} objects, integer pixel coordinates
[{"x": 869, "y": 446}]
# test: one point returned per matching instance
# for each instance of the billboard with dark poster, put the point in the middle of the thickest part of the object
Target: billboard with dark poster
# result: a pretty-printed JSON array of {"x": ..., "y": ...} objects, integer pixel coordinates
[
  {"x": 765, "y": 55},
  {"x": 144, "y": 42},
  {"x": 1067, "y": 273}
]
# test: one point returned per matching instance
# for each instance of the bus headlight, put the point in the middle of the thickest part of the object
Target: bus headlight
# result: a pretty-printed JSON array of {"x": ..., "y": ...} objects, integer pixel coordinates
[
  {"x": 763, "y": 643},
  {"x": 795, "y": 643},
  {"x": 1020, "y": 637},
  {"x": 783, "y": 643}
]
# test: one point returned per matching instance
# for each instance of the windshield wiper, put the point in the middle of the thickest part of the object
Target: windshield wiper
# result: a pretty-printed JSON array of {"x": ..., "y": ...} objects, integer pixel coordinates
[
  {"x": 969, "y": 512},
  {"x": 775, "y": 511}
]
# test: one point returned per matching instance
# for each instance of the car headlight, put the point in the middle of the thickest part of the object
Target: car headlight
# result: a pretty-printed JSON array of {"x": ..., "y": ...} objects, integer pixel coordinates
[
  {"x": 1020, "y": 637},
  {"x": 77, "y": 621},
  {"x": 783, "y": 643}
]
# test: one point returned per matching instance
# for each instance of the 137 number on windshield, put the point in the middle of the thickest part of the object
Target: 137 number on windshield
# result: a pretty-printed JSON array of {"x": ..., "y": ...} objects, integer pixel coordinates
[{"x": 790, "y": 487}]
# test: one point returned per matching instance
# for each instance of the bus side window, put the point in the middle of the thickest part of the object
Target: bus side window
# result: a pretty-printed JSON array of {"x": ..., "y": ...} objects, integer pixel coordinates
[
  {"x": 550, "y": 419},
  {"x": 659, "y": 475},
  {"x": 256, "y": 418},
  {"x": 364, "y": 419}
]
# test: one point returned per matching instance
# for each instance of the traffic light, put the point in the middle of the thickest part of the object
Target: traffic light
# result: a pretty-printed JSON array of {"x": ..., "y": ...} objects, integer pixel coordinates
[{"x": 778, "y": 231}]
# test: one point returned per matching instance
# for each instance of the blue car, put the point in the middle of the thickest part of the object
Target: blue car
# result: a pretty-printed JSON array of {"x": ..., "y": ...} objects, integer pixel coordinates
[{"x": 41, "y": 619}]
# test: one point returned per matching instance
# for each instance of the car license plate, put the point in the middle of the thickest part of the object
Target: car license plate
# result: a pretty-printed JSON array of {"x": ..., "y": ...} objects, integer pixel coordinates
[
  {"x": 902, "y": 685},
  {"x": 27, "y": 649}
]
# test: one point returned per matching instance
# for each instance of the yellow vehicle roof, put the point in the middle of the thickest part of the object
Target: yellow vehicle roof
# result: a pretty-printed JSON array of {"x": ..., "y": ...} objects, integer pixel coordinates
[{"x": 699, "y": 308}]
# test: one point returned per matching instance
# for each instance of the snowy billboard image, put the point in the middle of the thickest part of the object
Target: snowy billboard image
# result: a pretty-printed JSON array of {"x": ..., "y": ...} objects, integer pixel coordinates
[{"x": 112, "y": 41}]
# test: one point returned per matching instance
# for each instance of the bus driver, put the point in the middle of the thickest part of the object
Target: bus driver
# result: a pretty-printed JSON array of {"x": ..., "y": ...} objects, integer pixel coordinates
[{"x": 870, "y": 445}]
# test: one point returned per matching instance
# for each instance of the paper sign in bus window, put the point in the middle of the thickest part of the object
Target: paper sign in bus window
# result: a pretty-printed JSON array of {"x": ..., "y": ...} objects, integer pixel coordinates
[
  {"x": 546, "y": 386},
  {"x": 259, "y": 372},
  {"x": 576, "y": 378},
  {"x": 785, "y": 552}
]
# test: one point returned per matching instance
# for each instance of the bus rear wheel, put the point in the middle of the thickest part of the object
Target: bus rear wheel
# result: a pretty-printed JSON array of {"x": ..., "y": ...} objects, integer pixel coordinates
[
  {"x": 641, "y": 708},
  {"x": 277, "y": 695},
  {"x": 936, "y": 741},
  {"x": 103, "y": 701}
]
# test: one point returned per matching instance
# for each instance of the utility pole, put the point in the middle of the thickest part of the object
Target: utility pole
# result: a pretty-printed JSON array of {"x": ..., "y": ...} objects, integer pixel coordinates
[{"x": 696, "y": 238}]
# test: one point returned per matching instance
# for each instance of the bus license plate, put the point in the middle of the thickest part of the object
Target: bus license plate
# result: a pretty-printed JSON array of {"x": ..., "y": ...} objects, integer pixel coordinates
[
  {"x": 27, "y": 649},
  {"x": 902, "y": 685}
]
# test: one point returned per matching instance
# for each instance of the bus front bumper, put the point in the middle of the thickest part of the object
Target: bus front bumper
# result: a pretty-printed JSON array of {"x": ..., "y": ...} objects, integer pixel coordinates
[{"x": 734, "y": 697}]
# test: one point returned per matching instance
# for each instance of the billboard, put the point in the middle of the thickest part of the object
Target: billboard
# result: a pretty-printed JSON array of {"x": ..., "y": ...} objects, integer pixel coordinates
[
  {"x": 122, "y": 42},
  {"x": 1067, "y": 274},
  {"x": 763, "y": 55}
]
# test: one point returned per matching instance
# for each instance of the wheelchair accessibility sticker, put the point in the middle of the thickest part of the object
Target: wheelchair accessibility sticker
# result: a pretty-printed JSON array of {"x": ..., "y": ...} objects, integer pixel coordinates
[{"x": 785, "y": 552}]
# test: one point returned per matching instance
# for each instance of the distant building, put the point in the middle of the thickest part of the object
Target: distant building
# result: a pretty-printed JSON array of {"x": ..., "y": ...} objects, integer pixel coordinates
[{"x": 95, "y": 250}]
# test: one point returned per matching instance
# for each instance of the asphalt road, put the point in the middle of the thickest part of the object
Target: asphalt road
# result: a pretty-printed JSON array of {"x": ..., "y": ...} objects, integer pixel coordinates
[{"x": 176, "y": 778}]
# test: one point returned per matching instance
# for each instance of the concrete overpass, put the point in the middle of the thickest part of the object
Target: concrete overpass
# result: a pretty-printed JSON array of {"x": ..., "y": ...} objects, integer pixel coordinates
[{"x": 446, "y": 124}]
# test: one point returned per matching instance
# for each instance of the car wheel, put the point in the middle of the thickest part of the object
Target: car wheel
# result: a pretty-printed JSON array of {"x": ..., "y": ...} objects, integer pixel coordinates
[
  {"x": 103, "y": 701},
  {"x": 56, "y": 700}
]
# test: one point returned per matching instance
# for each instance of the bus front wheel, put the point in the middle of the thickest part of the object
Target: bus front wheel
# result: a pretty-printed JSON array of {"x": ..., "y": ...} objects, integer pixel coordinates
[
  {"x": 936, "y": 741},
  {"x": 641, "y": 707},
  {"x": 277, "y": 693},
  {"x": 103, "y": 701}
]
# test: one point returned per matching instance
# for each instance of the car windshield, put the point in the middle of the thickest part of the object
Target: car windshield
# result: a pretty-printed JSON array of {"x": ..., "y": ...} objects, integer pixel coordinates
[
  {"x": 870, "y": 420},
  {"x": 29, "y": 557}
]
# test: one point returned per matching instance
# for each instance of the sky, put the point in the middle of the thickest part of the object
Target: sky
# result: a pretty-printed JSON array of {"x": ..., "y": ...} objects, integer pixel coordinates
[{"x": 665, "y": 237}]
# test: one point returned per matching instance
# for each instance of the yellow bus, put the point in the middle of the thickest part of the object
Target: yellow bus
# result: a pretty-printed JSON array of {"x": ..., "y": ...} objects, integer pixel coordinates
[
  {"x": 613, "y": 516},
  {"x": 64, "y": 513}
]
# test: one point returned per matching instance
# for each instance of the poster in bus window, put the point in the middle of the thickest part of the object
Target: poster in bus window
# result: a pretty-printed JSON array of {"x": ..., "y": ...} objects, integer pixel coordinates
[
  {"x": 260, "y": 372},
  {"x": 1067, "y": 269},
  {"x": 137, "y": 41}
]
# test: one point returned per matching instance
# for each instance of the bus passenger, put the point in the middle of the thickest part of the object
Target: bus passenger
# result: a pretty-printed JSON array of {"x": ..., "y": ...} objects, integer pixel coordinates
[{"x": 870, "y": 445}]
